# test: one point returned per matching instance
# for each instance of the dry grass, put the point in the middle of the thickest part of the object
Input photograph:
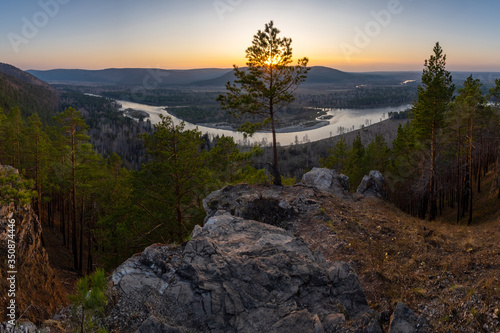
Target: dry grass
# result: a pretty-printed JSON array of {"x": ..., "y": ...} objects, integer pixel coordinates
[{"x": 449, "y": 272}]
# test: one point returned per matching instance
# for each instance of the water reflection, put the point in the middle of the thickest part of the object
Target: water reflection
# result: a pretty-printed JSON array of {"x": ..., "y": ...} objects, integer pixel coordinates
[{"x": 340, "y": 121}]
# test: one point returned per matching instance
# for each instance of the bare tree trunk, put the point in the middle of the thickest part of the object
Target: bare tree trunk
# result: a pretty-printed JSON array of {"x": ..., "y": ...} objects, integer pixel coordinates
[
  {"x": 276, "y": 173},
  {"x": 432, "y": 182},
  {"x": 469, "y": 222},
  {"x": 63, "y": 220},
  {"x": 82, "y": 219},
  {"x": 74, "y": 239},
  {"x": 459, "y": 180}
]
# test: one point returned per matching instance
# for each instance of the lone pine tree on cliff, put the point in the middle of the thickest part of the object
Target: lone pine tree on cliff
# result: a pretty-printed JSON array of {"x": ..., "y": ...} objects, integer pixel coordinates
[{"x": 266, "y": 86}]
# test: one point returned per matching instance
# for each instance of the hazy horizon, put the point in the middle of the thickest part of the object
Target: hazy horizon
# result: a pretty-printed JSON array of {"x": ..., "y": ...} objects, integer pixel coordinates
[
  {"x": 230, "y": 68},
  {"x": 352, "y": 36}
]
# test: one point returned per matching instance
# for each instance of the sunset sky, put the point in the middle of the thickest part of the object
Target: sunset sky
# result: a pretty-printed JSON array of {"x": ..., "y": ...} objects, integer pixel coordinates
[{"x": 350, "y": 35}]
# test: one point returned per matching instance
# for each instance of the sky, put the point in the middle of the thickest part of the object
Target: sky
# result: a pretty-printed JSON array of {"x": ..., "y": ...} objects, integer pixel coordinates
[{"x": 349, "y": 35}]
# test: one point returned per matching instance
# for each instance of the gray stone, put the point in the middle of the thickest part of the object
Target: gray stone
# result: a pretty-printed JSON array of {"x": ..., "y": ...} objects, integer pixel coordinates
[
  {"x": 327, "y": 180},
  {"x": 404, "y": 320},
  {"x": 153, "y": 324},
  {"x": 373, "y": 185},
  {"x": 236, "y": 275},
  {"x": 21, "y": 327}
]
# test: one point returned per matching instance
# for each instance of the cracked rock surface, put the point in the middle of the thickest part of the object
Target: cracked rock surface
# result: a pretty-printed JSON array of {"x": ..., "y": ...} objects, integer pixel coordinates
[{"x": 237, "y": 275}]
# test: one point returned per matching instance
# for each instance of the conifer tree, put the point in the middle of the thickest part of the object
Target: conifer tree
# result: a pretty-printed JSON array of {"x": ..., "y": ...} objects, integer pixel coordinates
[
  {"x": 267, "y": 85},
  {"x": 75, "y": 128},
  {"x": 470, "y": 107},
  {"x": 14, "y": 140},
  {"x": 377, "y": 154},
  {"x": 169, "y": 189},
  {"x": 434, "y": 97},
  {"x": 38, "y": 152},
  {"x": 338, "y": 156},
  {"x": 355, "y": 167}
]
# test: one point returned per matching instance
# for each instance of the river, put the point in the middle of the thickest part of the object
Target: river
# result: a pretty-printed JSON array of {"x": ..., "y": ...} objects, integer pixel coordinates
[{"x": 346, "y": 119}]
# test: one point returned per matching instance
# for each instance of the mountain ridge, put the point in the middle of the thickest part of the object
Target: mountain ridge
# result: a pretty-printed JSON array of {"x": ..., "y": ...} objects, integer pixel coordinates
[
  {"x": 21, "y": 89},
  {"x": 202, "y": 77}
]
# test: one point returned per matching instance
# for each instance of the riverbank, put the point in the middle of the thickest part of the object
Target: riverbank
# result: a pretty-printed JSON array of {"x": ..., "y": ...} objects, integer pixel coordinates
[{"x": 301, "y": 127}]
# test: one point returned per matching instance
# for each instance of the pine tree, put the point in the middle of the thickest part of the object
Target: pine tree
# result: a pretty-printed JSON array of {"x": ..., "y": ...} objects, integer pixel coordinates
[
  {"x": 266, "y": 86},
  {"x": 75, "y": 128},
  {"x": 14, "y": 139},
  {"x": 89, "y": 303},
  {"x": 470, "y": 107},
  {"x": 338, "y": 156},
  {"x": 355, "y": 167},
  {"x": 434, "y": 97},
  {"x": 169, "y": 189},
  {"x": 377, "y": 154},
  {"x": 37, "y": 160}
]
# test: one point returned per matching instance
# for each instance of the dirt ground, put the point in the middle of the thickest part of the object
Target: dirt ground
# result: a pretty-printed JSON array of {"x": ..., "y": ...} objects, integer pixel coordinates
[{"x": 449, "y": 272}]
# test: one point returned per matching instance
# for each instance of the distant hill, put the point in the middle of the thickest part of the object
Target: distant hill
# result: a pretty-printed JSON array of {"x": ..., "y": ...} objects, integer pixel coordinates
[
  {"x": 129, "y": 76},
  {"x": 218, "y": 77},
  {"x": 317, "y": 74},
  {"x": 21, "y": 89},
  {"x": 213, "y": 77},
  {"x": 24, "y": 76}
]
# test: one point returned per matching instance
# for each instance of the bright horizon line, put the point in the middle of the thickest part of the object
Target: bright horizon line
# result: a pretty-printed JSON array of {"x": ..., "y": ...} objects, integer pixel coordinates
[{"x": 230, "y": 68}]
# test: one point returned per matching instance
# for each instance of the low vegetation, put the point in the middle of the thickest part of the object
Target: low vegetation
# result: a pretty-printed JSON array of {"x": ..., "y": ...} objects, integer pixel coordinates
[{"x": 449, "y": 272}]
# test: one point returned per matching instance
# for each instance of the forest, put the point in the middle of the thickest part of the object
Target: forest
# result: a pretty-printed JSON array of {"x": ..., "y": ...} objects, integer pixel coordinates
[{"x": 111, "y": 185}]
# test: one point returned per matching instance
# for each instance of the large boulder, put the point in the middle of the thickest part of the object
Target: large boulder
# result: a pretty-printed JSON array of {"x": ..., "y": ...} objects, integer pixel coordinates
[
  {"x": 327, "y": 180},
  {"x": 373, "y": 184},
  {"x": 237, "y": 275}
]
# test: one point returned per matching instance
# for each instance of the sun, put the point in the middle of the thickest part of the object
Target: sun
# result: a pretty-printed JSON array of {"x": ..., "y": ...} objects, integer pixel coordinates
[{"x": 272, "y": 60}]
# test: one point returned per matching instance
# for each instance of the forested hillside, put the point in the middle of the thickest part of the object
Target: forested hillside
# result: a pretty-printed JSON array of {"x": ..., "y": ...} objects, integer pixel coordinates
[
  {"x": 31, "y": 95},
  {"x": 83, "y": 191}
]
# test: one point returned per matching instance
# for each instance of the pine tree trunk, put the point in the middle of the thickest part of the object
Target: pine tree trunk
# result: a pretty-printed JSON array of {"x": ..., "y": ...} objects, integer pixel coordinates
[
  {"x": 469, "y": 222},
  {"x": 432, "y": 183},
  {"x": 63, "y": 220},
  {"x": 276, "y": 173},
  {"x": 82, "y": 218},
  {"x": 74, "y": 238}
]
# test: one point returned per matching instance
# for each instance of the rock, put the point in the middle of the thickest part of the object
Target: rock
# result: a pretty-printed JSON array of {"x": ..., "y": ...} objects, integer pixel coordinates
[
  {"x": 237, "y": 275},
  {"x": 39, "y": 290},
  {"x": 327, "y": 180},
  {"x": 265, "y": 204},
  {"x": 152, "y": 324},
  {"x": 373, "y": 185},
  {"x": 404, "y": 320},
  {"x": 21, "y": 327}
]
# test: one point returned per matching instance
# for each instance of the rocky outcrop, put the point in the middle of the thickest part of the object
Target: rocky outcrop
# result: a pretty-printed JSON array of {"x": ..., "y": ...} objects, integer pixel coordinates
[
  {"x": 38, "y": 292},
  {"x": 373, "y": 184},
  {"x": 327, "y": 180},
  {"x": 404, "y": 320},
  {"x": 237, "y": 275},
  {"x": 264, "y": 204}
]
